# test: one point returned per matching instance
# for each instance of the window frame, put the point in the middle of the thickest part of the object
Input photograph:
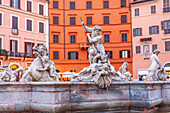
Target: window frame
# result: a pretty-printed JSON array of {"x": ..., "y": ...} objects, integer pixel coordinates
[
  {"x": 57, "y": 5},
  {"x": 56, "y": 57},
  {"x": 87, "y": 5},
  {"x": 105, "y": 18},
  {"x": 105, "y": 4},
  {"x": 57, "y": 38},
  {"x": 74, "y": 18},
  {"x": 26, "y": 24},
  {"x": 72, "y": 39},
  {"x": 71, "y": 5},
  {"x": 106, "y": 38}
]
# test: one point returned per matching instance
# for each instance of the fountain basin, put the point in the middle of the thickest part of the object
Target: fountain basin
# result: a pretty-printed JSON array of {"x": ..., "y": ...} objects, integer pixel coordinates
[{"x": 84, "y": 97}]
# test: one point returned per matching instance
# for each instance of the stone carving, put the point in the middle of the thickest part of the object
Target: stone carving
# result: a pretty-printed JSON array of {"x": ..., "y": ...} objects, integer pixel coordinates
[
  {"x": 153, "y": 73},
  {"x": 100, "y": 70},
  {"x": 42, "y": 69},
  {"x": 15, "y": 73},
  {"x": 124, "y": 73},
  {"x": 6, "y": 75}
]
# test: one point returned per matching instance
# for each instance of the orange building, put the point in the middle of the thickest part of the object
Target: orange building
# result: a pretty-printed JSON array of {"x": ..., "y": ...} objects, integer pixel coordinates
[{"x": 68, "y": 40}]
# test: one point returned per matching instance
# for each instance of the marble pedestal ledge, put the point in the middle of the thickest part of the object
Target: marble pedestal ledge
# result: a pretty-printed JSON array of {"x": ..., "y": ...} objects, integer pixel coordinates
[{"x": 72, "y": 97}]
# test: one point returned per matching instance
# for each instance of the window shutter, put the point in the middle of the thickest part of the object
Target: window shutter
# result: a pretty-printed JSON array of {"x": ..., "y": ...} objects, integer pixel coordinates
[
  {"x": 0, "y": 43},
  {"x": 16, "y": 46},
  {"x": 76, "y": 55},
  {"x": 162, "y": 25},
  {"x": 25, "y": 47},
  {"x": 10, "y": 45},
  {"x": 140, "y": 31},
  {"x": 134, "y": 32},
  {"x": 69, "y": 55},
  {"x": 150, "y": 30},
  {"x": 19, "y": 2},
  {"x": 16, "y": 19},
  {"x": 0, "y": 18},
  {"x": 120, "y": 54},
  {"x": 29, "y": 6},
  {"x": 128, "y": 53},
  {"x": 10, "y": 3},
  {"x": 157, "y": 28}
]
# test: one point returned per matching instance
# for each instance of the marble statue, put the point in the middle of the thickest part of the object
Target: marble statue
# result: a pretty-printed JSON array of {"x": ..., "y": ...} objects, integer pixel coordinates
[
  {"x": 6, "y": 75},
  {"x": 41, "y": 69},
  {"x": 100, "y": 70},
  {"x": 153, "y": 69},
  {"x": 15, "y": 73},
  {"x": 124, "y": 73}
]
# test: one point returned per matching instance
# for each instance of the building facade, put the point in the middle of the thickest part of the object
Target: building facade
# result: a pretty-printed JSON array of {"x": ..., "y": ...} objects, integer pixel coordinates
[
  {"x": 23, "y": 24},
  {"x": 68, "y": 39},
  {"x": 151, "y": 30}
]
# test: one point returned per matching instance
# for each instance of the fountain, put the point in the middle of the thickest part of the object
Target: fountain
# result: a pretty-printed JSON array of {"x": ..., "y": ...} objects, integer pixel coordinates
[{"x": 97, "y": 88}]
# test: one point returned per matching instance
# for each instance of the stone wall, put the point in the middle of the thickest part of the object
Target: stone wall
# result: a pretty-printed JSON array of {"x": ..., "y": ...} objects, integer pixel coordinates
[{"x": 72, "y": 97}]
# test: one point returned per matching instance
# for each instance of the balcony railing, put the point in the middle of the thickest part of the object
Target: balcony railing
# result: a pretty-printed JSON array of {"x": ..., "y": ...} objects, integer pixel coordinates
[
  {"x": 85, "y": 45},
  {"x": 166, "y": 31},
  {"x": 18, "y": 54},
  {"x": 166, "y": 9},
  {"x": 14, "y": 31}
]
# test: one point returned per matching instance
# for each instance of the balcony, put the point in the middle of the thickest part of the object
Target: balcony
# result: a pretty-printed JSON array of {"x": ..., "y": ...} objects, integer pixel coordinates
[
  {"x": 14, "y": 31},
  {"x": 166, "y": 9},
  {"x": 85, "y": 45},
  {"x": 18, "y": 54},
  {"x": 166, "y": 31}
]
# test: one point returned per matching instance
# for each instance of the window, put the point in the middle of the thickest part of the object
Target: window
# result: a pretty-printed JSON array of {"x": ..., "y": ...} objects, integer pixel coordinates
[
  {"x": 124, "y": 54},
  {"x": 0, "y": 1},
  {"x": 166, "y": 6},
  {"x": 124, "y": 37},
  {"x": 123, "y": 19},
  {"x": 154, "y": 46},
  {"x": 123, "y": 3},
  {"x": 29, "y": 25},
  {"x": 14, "y": 25},
  {"x": 41, "y": 27},
  {"x": 153, "y": 9},
  {"x": 137, "y": 32},
  {"x": 167, "y": 45},
  {"x": 13, "y": 46},
  {"x": 105, "y": 4},
  {"x": 15, "y": 3},
  {"x": 0, "y": 18},
  {"x": 72, "y": 21},
  {"x": 72, "y": 38},
  {"x": 88, "y": 5},
  {"x": 137, "y": 49},
  {"x": 72, "y": 5},
  {"x": 154, "y": 30},
  {"x": 29, "y": 6},
  {"x": 109, "y": 53},
  {"x": 28, "y": 49},
  {"x": 165, "y": 25},
  {"x": 41, "y": 9},
  {"x": 55, "y": 55},
  {"x": 89, "y": 20},
  {"x": 137, "y": 12},
  {"x": 106, "y": 19},
  {"x": 55, "y": 4},
  {"x": 55, "y": 39},
  {"x": 72, "y": 55},
  {"x": 55, "y": 20},
  {"x": 106, "y": 38}
]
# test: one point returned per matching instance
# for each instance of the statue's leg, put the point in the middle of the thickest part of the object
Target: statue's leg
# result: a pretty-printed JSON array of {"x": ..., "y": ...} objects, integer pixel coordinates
[
  {"x": 150, "y": 76},
  {"x": 25, "y": 75}
]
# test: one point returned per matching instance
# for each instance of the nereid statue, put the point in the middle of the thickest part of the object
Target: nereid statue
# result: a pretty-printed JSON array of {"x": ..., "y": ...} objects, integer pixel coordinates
[
  {"x": 100, "y": 70},
  {"x": 153, "y": 73}
]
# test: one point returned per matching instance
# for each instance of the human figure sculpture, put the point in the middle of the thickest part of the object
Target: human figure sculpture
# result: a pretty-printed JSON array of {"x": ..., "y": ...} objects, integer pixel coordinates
[
  {"x": 123, "y": 73},
  {"x": 40, "y": 67},
  {"x": 6, "y": 75},
  {"x": 155, "y": 62},
  {"x": 100, "y": 70},
  {"x": 96, "y": 40}
]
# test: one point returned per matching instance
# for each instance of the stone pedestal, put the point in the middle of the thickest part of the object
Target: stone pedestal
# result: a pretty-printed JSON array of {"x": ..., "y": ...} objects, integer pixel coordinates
[{"x": 79, "y": 97}]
